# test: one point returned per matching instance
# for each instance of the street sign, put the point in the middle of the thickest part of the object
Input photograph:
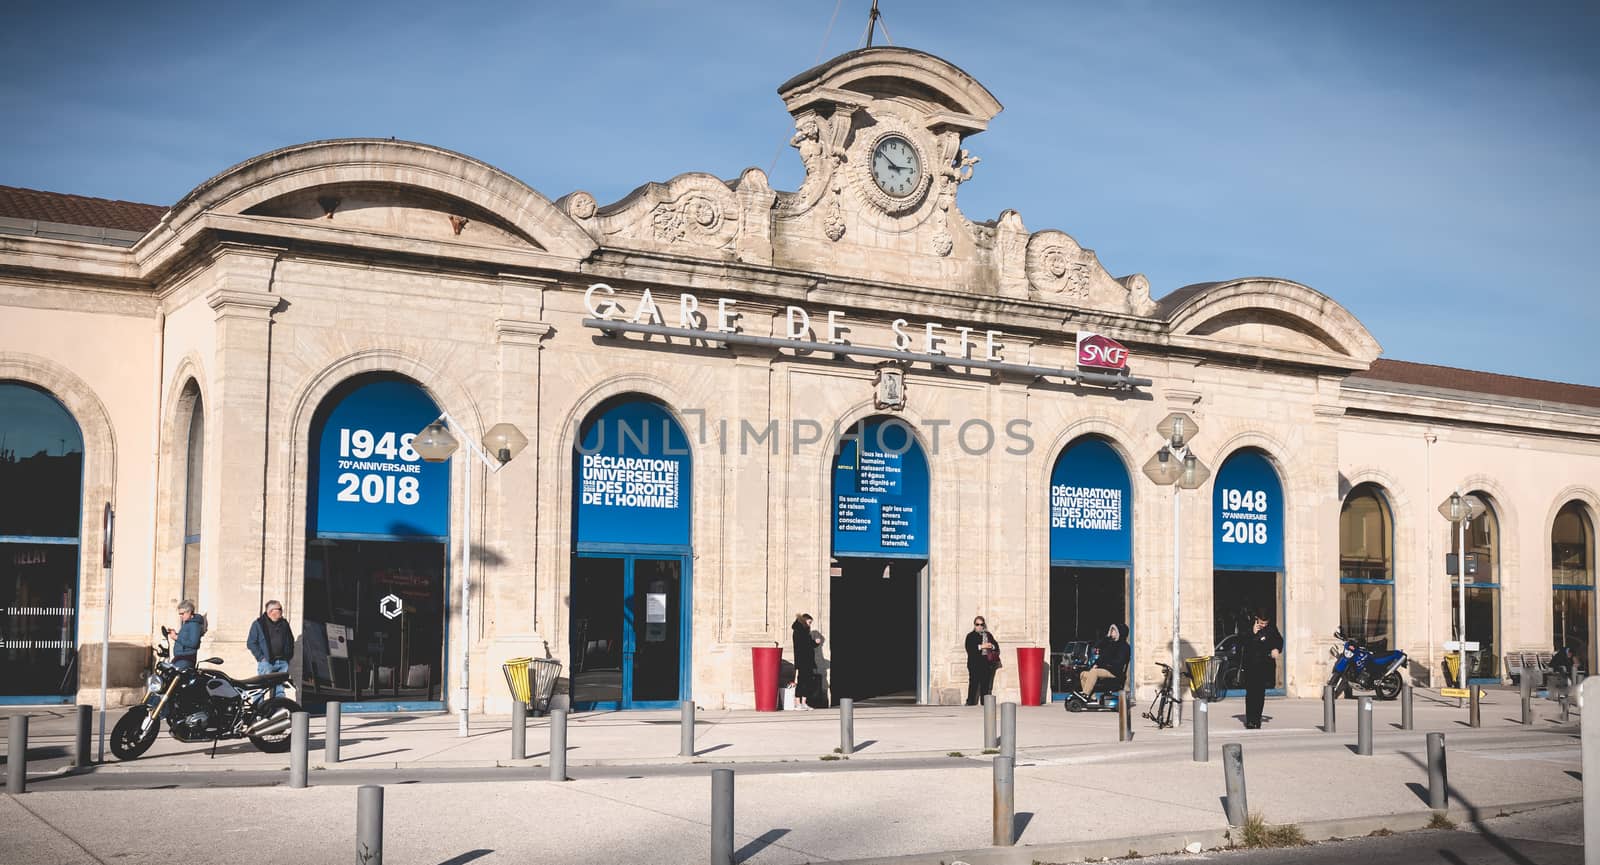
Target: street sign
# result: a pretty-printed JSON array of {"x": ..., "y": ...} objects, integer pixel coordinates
[{"x": 1462, "y": 693}]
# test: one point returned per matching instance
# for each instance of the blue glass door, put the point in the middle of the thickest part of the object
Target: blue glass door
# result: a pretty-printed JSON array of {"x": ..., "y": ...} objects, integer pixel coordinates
[{"x": 629, "y": 633}]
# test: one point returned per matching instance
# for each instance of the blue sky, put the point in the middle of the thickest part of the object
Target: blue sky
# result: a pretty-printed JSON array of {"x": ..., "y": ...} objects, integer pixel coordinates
[{"x": 1432, "y": 166}]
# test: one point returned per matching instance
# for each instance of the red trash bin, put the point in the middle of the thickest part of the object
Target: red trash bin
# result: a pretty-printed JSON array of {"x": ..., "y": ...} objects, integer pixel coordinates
[
  {"x": 1030, "y": 664},
  {"x": 764, "y": 663}
]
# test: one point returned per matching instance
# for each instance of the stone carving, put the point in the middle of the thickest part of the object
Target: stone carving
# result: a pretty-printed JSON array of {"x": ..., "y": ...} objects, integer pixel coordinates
[
  {"x": 1011, "y": 243},
  {"x": 580, "y": 205},
  {"x": 1139, "y": 302},
  {"x": 691, "y": 209},
  {"x": 833, "y": 219},
  {"x": 1058, "y": 265},
  {"x": 674, "y": 221},
  {"x": 457, "y": 223},
  {"x": 954, "y": 170}
]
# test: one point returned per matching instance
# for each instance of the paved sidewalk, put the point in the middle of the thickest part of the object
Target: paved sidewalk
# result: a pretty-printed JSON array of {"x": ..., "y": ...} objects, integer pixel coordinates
[{"x": 1079, "y": 792}]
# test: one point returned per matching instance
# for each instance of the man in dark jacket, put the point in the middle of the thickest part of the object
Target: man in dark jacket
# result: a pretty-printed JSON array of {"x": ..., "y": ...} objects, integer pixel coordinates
[
  {"x": 1111, "y": 660},
  {"x": 1261, "y": 651},
  {"x": 271, "y": 642}
]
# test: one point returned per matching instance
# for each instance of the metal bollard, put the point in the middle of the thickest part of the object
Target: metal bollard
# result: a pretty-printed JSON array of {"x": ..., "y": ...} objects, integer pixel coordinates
[
  {"x": 1526, "y": 681},
  {"x": 558, "y": 744},
  {"x": 17, "y": 756},
  {"x": 1438, "y": 776},
  {"x": 1566, "y": 697},
  {"x": 1590, "y": 738},
  {"x": 721, "y": 817},
  {"x": 1474, "y": 719},
  {"x": 1005, "y": 801},
  {"x": 80, "y": 751},
  {"x": 1202, "y": 731},
  {"x": 1124, "y": 728},
  {"x": 299, "y": 745},
  {"x": 519, "y": 730},
  {"x": 1330, "y": 718},
  {"x": 991, "y": 724},
  {"x": 369, "y": 824},
  {"x": 847, "y": 726},
  {"x": 1364, "y": 728},
  {"x": 332, "y": 728},
  {"x": 1405, "y": 705},
  {"x": 686, "y": 729},
  {"x": 1233, "y": 777},
  {"x": 1008, "y": 730}
]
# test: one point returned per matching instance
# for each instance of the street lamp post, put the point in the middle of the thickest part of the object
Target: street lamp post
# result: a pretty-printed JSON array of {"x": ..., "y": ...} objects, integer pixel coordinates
[
  {"x": 1461, "y": 510},
  {"x": 435, "y": 444},
  {"x": 1176, "y": 465}
]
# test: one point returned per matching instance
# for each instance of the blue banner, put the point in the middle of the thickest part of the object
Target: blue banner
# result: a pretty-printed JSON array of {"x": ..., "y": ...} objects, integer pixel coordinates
[
  {"x": 631, "y": 474},
  {"x": 1091, "y": 507},
  {"x": 370, "y": 483},
  {"x": 880, "y": 493},
  {"x": 1247, "y": 515}
]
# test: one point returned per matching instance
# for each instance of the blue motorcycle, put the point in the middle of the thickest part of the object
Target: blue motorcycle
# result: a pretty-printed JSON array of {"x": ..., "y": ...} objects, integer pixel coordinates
[{"x": 1356, "y": 666}]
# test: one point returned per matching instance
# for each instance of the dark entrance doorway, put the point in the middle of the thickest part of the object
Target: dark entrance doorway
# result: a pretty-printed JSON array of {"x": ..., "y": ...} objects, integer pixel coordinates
[
  {"x": 874, "y": 638},
  {"x": 1083, "y": 603},
  {"x": 1236, "y": 595},
  {"x": 627, "y": 632}
]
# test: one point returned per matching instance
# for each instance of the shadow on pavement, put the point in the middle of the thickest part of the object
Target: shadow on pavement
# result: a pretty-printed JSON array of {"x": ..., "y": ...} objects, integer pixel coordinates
[
  {"x": 1019, "y": 823},
  {"x": 466, "y": 857},
  {"x": 765, "y": 840},
  {"x": 864, "y": 745},
  {"x": 700, "y": 751},
  {"x": 1475, "y": 816}
]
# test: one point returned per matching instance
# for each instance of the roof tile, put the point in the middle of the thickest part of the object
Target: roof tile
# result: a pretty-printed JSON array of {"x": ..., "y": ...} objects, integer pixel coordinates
[{"x": 78, "y": 209}]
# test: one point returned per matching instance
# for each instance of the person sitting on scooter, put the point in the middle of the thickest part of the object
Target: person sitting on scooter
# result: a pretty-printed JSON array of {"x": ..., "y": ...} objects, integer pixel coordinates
[
  {"x": 186, "y": 645},
  {"x": 1111, "y": 659}
]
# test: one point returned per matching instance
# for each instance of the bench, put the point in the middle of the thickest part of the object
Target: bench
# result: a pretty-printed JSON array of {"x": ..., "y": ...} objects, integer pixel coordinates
[{"x": 1536, "y": 663}]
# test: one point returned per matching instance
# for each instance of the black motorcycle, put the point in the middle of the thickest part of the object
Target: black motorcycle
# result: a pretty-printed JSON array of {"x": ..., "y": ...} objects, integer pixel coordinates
[{"x": 204, "y": 706}]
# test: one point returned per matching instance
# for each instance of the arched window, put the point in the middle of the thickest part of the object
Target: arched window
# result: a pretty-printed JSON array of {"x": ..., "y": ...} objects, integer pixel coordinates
[
  {"x": 41, "y": 497},
  {"x": 193, "y": 484},
  {"x": 1572, "y": 579},
  {"x": 1366, "y": 568},
  {"x": 1481, "y": 573}
]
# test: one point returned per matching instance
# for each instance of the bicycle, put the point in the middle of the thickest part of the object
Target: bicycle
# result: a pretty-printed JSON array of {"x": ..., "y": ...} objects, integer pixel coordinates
[{"x": 1161, "y": 709}]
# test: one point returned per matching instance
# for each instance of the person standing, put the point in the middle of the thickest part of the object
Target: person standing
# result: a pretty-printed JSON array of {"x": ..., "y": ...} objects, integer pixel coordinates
[
  {"x": 983, "y": 656},
  {"x": 805, "y": 660},
  {"x": 818, "y": 698},
  {"x": 1261, "y": 650},
  {"x": 186, "y": 646},
  {"x": 271, "y": 642}
]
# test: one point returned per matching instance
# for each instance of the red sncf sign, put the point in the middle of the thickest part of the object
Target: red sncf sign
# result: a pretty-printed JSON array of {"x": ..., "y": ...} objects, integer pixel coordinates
[{"x": 1101, "y": 351}]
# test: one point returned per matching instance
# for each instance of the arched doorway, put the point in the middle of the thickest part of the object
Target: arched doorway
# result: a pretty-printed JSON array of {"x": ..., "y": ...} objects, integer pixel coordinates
[
  {"x": 1480, "y": 571},
  {"x": 374, "y": 622},
  {"x": 1572, "y": 581},
  {"x": 632, "y": 577},
  {"x": 878, "y": 603},
  {"x": 1247, "y": 547},
  {"x": 1366, "y": 568},
  {"x": 1091, "y": 549},
  {"x": 41, "y": 474}
]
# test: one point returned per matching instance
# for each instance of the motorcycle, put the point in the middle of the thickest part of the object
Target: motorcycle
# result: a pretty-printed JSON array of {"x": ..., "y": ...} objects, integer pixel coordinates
[
  {"x": 1355, "y": 665},
  {"x": 201, "y": 705}
]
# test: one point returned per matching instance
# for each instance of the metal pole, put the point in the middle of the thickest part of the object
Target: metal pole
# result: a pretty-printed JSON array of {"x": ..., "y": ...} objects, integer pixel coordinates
[
  {"x": 1566, "y": 697},
  {"x": 1438, "y": 775},
  {"x": 1526, "y": 681},
  {"x": 1330, "y": 717},
  {"x": 1124, "y": 731},
  {"x": 1008, "y": 730},
  {"x": 686, "y": 728},
  {"x": 1202, "y": 731},
  {"x": 1590, "y": 736},
  {"x": 1177, "y": 567},
  {"x": 558, "y": 744},
  {"x": 1473, "y": 717},
  {"x": 108, "y": 531},
  {"x": 466, "y": 590},
  {"x": 721, "y": 817},
  {"x": 332, "y": 724},
  {"x": 519, "y": 730},
  {"x": 1005, "y": 801},
  {"x": 17, "y": 756},
  {"x": 369, "y": 824},
  {"x": 1233, "y": 777},
  {"x": 991, "y": 734},
  {"x": 847, "y": 726},
  {"x": 1405, "y": 705},
  {"x": 80, "y": 751},
  {"x": 1364, "y": 728},
  {"x": 299, "y": 734},
  {"x": 1461, "y": 601}
]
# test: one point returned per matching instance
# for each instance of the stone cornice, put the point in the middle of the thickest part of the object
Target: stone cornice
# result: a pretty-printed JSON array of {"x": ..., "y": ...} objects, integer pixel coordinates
[
  {"x": 237, "y": 303},
  {"x": 511, "y": 331},
  {"x": 1428, "y": 405}
]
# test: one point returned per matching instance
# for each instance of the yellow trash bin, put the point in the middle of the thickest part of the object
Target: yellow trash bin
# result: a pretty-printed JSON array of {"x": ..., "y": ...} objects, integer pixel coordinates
[
  {"x": 1452, "y": 664},
  {"x": 1198, "y": 668},
  {"x": 516, "y": 671}
]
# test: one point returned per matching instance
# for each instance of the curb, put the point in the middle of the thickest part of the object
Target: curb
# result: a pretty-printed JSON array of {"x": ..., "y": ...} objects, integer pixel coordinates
[{"x": 1209, "y": 839}]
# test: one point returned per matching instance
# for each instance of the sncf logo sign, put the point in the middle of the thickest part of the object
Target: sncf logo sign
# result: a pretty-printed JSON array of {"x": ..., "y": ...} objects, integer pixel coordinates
[{"x": 1101, "y": 351}]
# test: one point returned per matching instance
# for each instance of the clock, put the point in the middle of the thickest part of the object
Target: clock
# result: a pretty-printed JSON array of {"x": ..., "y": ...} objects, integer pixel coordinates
[{"x": 896, "y": 168}]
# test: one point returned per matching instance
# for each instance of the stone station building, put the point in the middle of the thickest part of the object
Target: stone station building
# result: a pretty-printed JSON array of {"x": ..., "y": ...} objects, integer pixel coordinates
[{"x": 739, "y": 404}]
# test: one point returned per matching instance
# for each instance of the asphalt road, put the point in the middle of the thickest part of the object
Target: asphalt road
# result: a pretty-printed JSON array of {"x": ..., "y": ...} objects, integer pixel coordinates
[{"x": 1550, "y": 836}]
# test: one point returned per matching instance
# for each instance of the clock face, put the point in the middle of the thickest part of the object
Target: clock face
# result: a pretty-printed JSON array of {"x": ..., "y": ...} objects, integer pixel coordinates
[{"x": 895, "y": 167}]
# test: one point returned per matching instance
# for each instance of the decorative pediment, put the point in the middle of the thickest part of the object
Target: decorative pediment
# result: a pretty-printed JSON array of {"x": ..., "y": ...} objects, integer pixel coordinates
[
  {"x": 1263, "y": 316},
  {"x": 695, "y": 213},
  {"x": 395, "y": 210},
  {"x": 1060, "y": 270}
]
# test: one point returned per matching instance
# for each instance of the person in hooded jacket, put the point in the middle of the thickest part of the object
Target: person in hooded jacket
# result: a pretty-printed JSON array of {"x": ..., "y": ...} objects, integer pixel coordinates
[
  {"x": 186, "y": 645},
  {"x": 271, "y": 642},
  {"x": 1111, "y": 660}
]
